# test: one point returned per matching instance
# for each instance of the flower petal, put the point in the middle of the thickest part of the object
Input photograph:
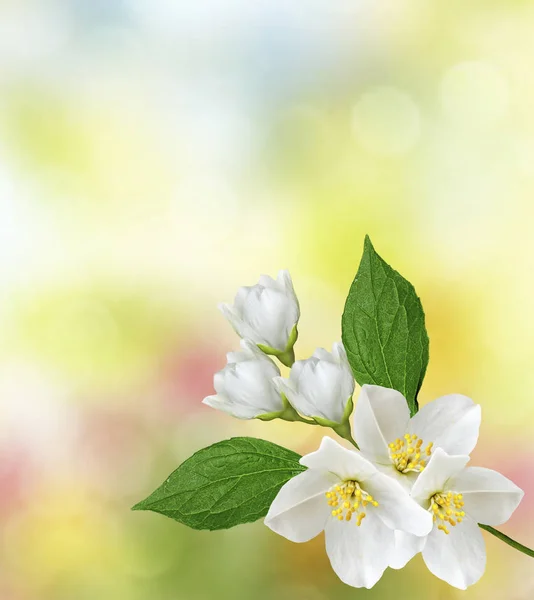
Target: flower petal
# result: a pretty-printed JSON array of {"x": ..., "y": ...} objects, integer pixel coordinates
[
  {"x": 237, "y": 323},
  {"x": 284, "y": 280},
  {"x": 406, "y": 547},
  {"x": 334, "y": 458},
  {"x": 450, "y": 422},
  {"x": 269, "y": 312},
  {"x": 339, "y": 352},
  {"x": 268, "y": 282},
  {"x": 322, "y": 354},
  {"x": 458, "y": 558},
  {"x": 489, "y": 497},
  {"x": 283, "y": 386},
  {"x": 298, "y": 401},
  {"x": 439, "y": 470},
  {"x": 405, "y": 479},
  {"x": 241, "y": 411},
  {"x": 250, "y": 383},
  {"x": 359, "y": 555},
  {"x": 324, "y": 386},
  {"x": 395, "y": 507},
  {"x": 250, "y": 351},
  {"x": 300, "y": 510},
  {"x": 381, "y": 416}
]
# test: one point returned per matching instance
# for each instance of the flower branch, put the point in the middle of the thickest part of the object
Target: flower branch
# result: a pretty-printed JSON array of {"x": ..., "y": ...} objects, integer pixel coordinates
[{"x": 507, "y": 540}]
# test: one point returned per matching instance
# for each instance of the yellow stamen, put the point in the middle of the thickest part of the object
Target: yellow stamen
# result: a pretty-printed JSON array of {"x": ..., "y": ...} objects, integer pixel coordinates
[
  {"x": 443, "y": 505},
  {"x": 347, "y": 499},
  {"x": 406, "y": 453}
]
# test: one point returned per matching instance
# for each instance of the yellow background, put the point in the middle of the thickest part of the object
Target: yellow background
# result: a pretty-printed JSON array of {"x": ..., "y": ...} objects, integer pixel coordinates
[{"x": 156, "y": 155}]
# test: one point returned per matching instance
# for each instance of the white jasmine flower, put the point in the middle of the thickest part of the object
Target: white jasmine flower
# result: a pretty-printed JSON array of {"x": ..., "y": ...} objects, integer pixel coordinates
[
  {"x": 358, "y": 508},
  {"x": 458, "y": 498},
  {"x": 401, "y": 446},
  {"x": 267, "y": 313},
  {"x": 245, "y": 387},
  {"x": 321, "y": 387}
]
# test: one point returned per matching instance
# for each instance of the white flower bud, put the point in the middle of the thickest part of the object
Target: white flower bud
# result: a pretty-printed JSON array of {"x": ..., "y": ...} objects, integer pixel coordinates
[
  {"x": 321, "y": 387},
  {"x": 245, "y": 387},
  {"x": 267, "y": 313}
]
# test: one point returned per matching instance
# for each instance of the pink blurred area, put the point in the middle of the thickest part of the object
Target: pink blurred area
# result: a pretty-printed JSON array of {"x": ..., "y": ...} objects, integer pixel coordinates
[{"x": 155, "y": 156}]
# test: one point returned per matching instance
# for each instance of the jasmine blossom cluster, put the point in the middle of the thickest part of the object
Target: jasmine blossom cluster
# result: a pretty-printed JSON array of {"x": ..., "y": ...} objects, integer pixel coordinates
[{"x": 405, "y": 488}]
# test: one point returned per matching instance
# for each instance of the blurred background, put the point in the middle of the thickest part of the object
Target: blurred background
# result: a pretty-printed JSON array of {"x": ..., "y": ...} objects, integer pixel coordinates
[{"x": 155, "y": 156}]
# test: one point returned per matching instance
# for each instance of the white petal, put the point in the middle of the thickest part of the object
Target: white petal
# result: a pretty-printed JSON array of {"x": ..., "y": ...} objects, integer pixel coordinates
[
  {"x": 301, "y": 405},
  {"x": 322, "y": 354},
  {"x": 240, "y": 411},
  {"x": 301, "y": 381},
  {"x": 251, "y": 383},
  {"x": 395, "y": 507},
  {"x": 337, "y": 356},
  {"x": 218, "y": 381},
  {"x": 320, "y": 387},
  {"x": 282, "y": 385},
  {"x": 489, "y": 497},
  {"x": 450, "y": 422},
  {"x": 405, "y": 479},
  {"x": 458, "y": 558},
  {"x": 300, "y": 510},
  {"x": 298, "y": 401},
  {"x": 249, "y": 351},
  {"x": 286, "y": 283},
  {"x": 338, "y": 351},
  {"x": 266, "y": 312},
  {"x": 324, "y": 384},
  {"x": 439, "y": 470},
  {"x": 334, "y": 458},
  {"x": 241, "y": 297},
  {"x": 296, "y": 372},
  {"x": 359, "y": 555},
  {"x": 381, "y": 416},
  {"x": 245, "y": 386},
  {"x": 235, "y": 321},
  {"x": 406, "y": 547},
  {"x": 271, "y": 313},
  {"x": 268, "y": 282}
]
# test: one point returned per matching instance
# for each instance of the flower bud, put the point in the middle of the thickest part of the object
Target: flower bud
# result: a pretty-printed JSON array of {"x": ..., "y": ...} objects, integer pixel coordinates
[
  {"x": 321, "y": 387},
  {"x": 245, "y": 387},
  {"x": 267, "y": 313}
]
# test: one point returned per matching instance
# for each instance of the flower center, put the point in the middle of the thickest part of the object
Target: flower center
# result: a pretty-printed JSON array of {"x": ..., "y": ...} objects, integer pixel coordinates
[
  {"x": 447, "y": 509},
  {"x": 349, "y": 499},
  {"x": 408, "y": 454}
]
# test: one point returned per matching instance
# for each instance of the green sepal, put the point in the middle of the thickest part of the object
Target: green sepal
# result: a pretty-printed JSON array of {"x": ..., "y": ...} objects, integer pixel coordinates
[
  {"x": 345, "y": 432},
  {"x": 287, "y": 356},
  {"x": 288, "y": 413},
  {"x": 346, "y": 414},
  {"x": 343, "y": 428}
]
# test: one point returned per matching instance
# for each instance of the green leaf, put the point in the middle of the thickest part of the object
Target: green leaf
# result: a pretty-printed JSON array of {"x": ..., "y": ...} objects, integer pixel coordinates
[
  {"x": 231, "y": 482},
  {"x": 383, "y": 328}
]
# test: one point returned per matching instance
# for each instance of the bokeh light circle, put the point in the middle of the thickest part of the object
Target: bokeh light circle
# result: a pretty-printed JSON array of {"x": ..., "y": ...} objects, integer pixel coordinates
[{"x": 386, "y": 121}]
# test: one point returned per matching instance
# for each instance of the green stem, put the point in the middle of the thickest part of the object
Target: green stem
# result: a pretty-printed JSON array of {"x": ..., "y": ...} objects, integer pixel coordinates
[
  {"x": 287, "y": 358},
  {"x": 290, "y": 414},
  {"x": 307, "y": 421},
  {"x": 345, "y": 432},
  {"x": 508, "y": 540},
  {"x": 352, "y": 441}
]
